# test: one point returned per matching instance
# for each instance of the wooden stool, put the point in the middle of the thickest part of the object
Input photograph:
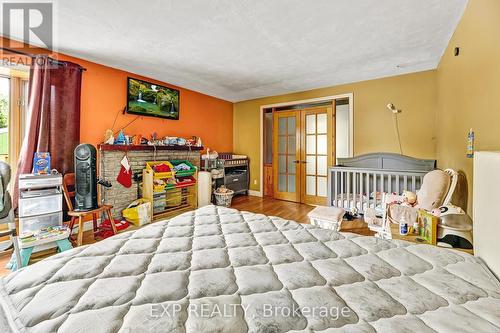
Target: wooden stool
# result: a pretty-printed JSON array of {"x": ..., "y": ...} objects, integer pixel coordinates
[{"x": 69, "y": 182}]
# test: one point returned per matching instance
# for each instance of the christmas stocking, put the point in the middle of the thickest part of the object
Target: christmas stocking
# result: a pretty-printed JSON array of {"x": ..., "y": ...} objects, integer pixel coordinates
[{"x": 125, "y": 175}]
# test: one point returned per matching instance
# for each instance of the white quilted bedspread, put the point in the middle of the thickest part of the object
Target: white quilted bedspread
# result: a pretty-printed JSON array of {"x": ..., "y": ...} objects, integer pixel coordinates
[{"x": 220, "y": 270}]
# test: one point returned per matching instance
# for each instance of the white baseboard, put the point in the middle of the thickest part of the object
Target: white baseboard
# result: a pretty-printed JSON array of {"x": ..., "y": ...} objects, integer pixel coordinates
[{"x": 255, "y": 193}]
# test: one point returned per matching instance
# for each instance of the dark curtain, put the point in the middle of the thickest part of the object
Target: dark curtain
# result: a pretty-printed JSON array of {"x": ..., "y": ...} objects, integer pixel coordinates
[{"x": 54, "y": 115}]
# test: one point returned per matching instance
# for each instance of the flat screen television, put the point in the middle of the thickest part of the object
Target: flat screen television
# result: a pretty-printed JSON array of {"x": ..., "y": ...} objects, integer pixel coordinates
[{"x": 149, "y": 99}]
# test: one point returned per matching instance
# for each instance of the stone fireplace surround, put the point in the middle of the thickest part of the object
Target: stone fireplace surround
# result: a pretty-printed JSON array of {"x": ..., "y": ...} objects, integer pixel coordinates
[{"x": 110, "y": 157}]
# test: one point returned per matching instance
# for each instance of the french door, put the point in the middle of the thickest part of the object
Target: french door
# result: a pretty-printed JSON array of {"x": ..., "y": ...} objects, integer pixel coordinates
[
  {"x": 303, "y": 152},
  {"x": 316, "y": 154},
  {"x": 286, "y": 159}
]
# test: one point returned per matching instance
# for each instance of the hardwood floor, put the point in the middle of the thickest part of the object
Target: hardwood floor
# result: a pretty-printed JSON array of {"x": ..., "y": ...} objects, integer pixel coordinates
[
  {"x": 291, "y": 211},
  {"x": 272, "y": 207},
  {"x": 267, "y": 206},
  {"x": 4, "y": 259}
]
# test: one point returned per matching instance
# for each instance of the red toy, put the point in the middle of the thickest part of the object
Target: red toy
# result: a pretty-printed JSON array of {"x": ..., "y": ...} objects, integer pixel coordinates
[
  {"x": 161, "y": 168},
  {"x": 105, "y": 228}
]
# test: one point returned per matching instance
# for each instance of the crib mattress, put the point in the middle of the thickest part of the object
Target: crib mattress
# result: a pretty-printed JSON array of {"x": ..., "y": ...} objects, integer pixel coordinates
[{"x": 221, "y": 270}]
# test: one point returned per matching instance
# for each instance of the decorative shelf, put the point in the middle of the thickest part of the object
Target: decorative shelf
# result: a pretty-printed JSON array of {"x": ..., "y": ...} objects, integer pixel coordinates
[{"x": 106, "y": 147}]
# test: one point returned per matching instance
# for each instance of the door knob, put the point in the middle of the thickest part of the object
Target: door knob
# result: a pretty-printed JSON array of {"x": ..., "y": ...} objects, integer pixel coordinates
[
  {"x": 304, "y": 162},
  {"x": 296, "y": 162}
]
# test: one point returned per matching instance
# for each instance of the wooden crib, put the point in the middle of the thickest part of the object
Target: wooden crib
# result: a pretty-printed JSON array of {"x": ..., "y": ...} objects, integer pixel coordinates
[{"x": 359, "y": 182}]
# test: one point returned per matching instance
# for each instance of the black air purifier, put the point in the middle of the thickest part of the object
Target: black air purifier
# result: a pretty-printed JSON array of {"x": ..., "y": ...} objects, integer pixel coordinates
[{"x": 85, "y": 177}]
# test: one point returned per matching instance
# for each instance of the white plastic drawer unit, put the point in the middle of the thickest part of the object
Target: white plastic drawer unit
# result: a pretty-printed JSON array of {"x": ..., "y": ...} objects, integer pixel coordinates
[
  {"x": 34, "y": 223},
  {"x": 29, "y": 181},
  {"x": 39, "y": 205}
]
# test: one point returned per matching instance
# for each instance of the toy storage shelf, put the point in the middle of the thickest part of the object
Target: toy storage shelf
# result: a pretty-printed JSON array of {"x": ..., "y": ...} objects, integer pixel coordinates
[{"x": 172, "y": 200}]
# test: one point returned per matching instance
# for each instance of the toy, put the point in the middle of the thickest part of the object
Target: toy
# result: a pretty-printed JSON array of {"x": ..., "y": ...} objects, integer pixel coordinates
[
  {"x": 120, "y": 139},
  {"x": 409, "y": 199},
  {"x": 43, "y": 233},
  {"x": 108, "y": 137},
  {"x": 428, "y": 226},
  {"x": 162, "y": 167},
  {"x": 436, "y": 212},
  {"x": 137, "y": 140},
  {"x": 222, "y": 190},
  {"x": 41, "y": 164},
  {"x": 210, "y": 155},
  {"x": 159, "y": 182},
  {"x": 106, "y": 230},
  {"x": 181, "y": 142},
  {"x": 450, "y": 209},
  {"x": 194, "y": 141},
  {"x": 170, "y": 140}
]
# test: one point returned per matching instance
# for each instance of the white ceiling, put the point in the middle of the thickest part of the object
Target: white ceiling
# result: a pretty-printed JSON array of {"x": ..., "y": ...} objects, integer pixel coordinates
[{"x": 243, "y": 49}]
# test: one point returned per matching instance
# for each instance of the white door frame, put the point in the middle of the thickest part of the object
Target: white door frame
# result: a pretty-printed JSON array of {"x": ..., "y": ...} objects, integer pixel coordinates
[{"x": 304, "y": 101}]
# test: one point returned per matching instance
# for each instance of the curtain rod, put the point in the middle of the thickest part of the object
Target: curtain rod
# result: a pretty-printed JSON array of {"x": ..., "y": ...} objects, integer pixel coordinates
[{"x": 34, "y": 55}]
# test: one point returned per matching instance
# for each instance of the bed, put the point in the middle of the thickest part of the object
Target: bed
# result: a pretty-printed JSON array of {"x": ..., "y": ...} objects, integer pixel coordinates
[{"x": 221, "y": 270}]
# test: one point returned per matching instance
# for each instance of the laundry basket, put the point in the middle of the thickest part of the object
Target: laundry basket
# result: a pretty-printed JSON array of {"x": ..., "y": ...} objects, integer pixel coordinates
[{"x": 224, "y": 198}]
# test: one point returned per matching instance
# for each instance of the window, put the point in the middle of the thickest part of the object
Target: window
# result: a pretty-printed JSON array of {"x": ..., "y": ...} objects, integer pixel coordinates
[
  {"x": 268, "y": 139},
  {"x": 13, "y": 112},
  {"x": 24, "y": 108},
  {"x": 4, "y": 118},
  {"x": 343, "y": 128}
]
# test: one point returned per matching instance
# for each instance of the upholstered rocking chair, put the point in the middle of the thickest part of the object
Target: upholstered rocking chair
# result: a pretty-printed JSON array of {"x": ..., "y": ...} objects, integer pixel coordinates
[{"x": 437, "y": 190}]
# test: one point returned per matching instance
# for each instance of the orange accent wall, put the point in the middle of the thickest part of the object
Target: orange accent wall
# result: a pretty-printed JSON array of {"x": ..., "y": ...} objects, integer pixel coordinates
[{"x": 104, "y": 95}]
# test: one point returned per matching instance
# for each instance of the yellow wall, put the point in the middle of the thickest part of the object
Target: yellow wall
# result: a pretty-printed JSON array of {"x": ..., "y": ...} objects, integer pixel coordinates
[
  {"x": 469, "y": 89},
  {"x": 439, "y": 107},
  {"x": 415, "y": 94}
]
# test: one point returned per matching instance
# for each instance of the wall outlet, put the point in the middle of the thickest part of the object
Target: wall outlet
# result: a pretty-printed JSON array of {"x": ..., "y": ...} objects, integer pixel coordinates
[{"x": 255, "y": 181}]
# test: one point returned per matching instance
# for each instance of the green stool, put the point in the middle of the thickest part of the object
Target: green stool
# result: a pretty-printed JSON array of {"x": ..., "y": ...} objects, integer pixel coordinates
[{"x": 63, "y": 244}]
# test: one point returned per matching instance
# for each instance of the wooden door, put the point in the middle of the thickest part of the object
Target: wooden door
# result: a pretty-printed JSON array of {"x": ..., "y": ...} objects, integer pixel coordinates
[
  {"x": 268, "y": 180},
  {"x": 316, "y": 154},
  {"x": 286, "y": 156}
]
